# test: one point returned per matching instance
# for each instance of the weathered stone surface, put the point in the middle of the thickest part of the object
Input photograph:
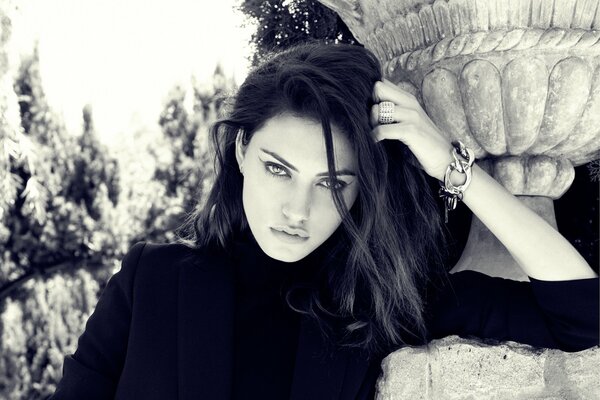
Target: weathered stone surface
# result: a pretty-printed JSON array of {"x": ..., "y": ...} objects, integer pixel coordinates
[
  {"x": 568, "y": 92},
  {"x": 455, "y": 368},
  {"x": 442, "y": 99},
  {"x": 534, "y": 175},
  {"x": 405, "y": 375},
  {"x": 524, "y": 101},
  {"x": 580, "y": 139},
  {"x": 545, "y": 99},
  {"x": 481, "y": 88}
]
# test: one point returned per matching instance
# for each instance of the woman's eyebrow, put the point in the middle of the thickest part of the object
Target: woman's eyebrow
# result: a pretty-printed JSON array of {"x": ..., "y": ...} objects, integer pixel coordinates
[
  {"x": 338, "y": 173},
  {"x": 290, "y": 166},
  {"x": 280, "y": 159}
]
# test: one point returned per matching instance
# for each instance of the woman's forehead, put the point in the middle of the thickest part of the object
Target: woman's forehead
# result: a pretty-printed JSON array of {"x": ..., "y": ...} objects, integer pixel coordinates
[{"x": 301, "y": 139}]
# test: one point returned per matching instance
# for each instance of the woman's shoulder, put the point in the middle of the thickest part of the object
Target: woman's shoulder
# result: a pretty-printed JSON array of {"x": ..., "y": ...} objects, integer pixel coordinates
[
  {"x": 148, "y": 260},
  {"x": 172, "y": 252}
]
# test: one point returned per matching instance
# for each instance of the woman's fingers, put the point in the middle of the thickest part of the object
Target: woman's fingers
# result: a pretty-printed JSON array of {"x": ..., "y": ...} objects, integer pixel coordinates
[
  {"x": 412, "y": 127},
  {"x": 397, "y": 131},
  {"x": 401, "y": 114},
  {"x": 387, "y": 91}
]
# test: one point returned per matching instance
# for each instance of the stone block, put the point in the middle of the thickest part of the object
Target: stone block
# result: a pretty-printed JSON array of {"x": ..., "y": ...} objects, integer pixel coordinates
[{"x": 456, "y": 368}]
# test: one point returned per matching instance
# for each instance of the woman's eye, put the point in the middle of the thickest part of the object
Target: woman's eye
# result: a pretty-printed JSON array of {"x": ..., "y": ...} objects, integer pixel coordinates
[
  {"x": 275, "y": 169},
  {"x": 336, "y": 185}
]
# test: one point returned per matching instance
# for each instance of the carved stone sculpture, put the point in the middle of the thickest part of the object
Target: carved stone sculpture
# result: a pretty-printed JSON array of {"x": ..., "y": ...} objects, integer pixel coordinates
[{"x": 518, "y": 81}]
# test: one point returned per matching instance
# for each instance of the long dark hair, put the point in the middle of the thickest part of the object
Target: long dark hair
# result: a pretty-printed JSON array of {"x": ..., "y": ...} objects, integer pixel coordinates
[{"x": 391, "y": 237}]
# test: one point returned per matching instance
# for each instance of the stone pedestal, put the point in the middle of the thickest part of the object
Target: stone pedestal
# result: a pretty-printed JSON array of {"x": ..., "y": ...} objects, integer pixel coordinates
[
  {"x": 453, "y": 368},
  {"x": 517, "y": 80}
]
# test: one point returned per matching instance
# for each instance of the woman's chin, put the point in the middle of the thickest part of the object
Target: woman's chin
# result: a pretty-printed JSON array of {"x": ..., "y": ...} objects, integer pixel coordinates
[
  {"x": 284, "y": 252},
  {"x": 284, "y": 255}
]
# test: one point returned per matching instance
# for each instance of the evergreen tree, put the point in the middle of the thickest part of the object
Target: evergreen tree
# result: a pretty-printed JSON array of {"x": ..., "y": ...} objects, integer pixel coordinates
[
  {"x": 283, "y": 23},
  {"x": 92, "y": 168},
  {"x": 56, "y": 216},
  {"x": 187, "y": 171}
]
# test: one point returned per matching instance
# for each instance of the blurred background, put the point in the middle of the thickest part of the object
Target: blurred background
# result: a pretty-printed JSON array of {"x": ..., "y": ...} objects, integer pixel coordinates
[{"x": 104, "y": 114}]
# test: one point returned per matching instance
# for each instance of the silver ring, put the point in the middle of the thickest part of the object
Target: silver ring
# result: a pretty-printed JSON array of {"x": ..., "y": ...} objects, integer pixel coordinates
[{"x": 386, "y": 112}]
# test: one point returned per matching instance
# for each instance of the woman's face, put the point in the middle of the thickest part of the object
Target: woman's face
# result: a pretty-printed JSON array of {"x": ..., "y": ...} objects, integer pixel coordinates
[{"x": 287, "y": 197}]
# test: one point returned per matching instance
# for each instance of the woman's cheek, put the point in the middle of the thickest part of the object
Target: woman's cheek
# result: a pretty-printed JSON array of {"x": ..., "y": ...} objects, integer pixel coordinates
[
  {"x": 352, "y": 195},
  {"x": 271, "y": 189},
  {"x": 349, "y": 196},
  {"x": 324, "y": 208}
]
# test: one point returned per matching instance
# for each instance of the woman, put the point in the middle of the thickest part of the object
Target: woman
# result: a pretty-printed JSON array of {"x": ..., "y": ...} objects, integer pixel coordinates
[{"x": 318, "y": 253}]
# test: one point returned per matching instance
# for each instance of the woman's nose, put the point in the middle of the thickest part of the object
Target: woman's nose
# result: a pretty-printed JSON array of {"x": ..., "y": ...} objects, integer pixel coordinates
[{"x": 297, "y": 208}]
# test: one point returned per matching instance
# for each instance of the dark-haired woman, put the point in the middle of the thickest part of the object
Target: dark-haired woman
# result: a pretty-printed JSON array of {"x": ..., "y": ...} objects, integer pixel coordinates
[{"x": 318, "y": 253}]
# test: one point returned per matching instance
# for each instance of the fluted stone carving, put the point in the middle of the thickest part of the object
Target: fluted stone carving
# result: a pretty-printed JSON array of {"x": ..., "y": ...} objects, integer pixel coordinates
[{"x": 517, "y": 80}]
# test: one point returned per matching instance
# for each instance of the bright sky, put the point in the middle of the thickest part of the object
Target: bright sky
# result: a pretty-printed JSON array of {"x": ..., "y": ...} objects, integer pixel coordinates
[{"x": 123, "y": 56}]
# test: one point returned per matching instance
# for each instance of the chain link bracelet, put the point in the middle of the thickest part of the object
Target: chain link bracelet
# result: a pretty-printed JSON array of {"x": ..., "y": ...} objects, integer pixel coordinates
[{"x": 463, "y": 161}]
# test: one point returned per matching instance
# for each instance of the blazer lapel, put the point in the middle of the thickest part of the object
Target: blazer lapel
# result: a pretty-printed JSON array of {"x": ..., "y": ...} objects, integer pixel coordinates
[{"x": 205, "y": 329}]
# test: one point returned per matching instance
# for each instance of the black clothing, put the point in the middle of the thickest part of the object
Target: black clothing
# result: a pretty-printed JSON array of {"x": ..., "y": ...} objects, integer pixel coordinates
[
  {"x": 164, "y": 329},
  {"x": 560, "y": 315},
  {"x": 265, "y": 329}
]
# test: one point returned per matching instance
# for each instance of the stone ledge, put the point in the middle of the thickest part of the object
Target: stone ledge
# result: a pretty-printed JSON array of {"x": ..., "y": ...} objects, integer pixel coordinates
[{"x": 456, "y": 368}]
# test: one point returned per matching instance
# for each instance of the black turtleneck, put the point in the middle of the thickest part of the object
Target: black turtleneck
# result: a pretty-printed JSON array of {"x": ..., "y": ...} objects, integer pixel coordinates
[{"x": 266, "y": 329}]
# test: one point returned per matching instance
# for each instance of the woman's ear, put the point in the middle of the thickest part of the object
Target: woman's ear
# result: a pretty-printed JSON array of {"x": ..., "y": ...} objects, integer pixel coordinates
[{"x": 240, "y": 149}]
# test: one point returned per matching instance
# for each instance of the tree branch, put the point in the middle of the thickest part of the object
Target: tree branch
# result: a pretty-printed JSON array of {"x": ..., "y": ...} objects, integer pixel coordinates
[{"x": 7, "y": 288}]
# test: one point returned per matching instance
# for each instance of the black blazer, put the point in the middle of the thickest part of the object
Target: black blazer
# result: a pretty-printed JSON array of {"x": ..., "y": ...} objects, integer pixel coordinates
[{"x": 163, "y": 329}]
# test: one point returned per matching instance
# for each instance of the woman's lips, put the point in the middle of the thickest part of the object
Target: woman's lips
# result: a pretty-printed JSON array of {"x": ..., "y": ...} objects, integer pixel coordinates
[{"x": 288, "y": 238}]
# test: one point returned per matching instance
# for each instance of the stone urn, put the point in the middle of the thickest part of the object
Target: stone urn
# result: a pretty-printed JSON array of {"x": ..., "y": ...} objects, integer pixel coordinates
[{"x": 518, "y": 81}]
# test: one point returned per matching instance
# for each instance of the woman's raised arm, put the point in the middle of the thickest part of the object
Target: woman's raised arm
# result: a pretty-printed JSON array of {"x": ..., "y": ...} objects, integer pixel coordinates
[{"x": 541, "y": 251}]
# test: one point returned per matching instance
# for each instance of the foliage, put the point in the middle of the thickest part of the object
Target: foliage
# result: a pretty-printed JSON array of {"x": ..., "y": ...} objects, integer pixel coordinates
[
  {"x": 594, "y": 170},
  {"x": 40, "y": 330},
  {"x": 187, "y": 171},
  {"x": 283, "y": 23},
  {"x": 55, "y": 215},
  {"x": 70, "y": 209},
  {"x": 74, "y": 210},
  {"x": 59, "y": 193},
  {"x": 64, "y": 235}
]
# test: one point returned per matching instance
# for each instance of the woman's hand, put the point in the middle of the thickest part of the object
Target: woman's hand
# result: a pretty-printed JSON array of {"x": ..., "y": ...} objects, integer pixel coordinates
[{"x": 413, "y": 127}]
